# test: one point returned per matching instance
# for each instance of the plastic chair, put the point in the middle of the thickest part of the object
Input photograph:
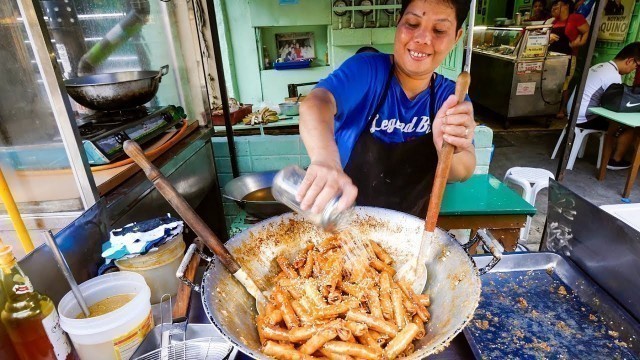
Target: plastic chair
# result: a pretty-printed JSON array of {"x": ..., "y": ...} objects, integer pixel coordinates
[
  {"x": 579, "y": 145},
  {"x": 531, "y": 180}
]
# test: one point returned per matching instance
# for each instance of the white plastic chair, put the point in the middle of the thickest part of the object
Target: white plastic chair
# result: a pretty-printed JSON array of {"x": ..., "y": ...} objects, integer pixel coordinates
[
  {"x": 531, "y": 180},
  {"x": 579, "y": 145}
]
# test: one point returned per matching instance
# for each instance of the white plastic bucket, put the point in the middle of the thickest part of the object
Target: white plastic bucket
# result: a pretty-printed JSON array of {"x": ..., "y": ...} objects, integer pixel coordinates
[
  {"x": 115, "y": 335},
  {"x": 158, "y": 268}
]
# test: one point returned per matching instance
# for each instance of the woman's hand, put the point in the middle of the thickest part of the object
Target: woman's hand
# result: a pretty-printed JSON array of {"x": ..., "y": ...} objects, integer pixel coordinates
[
  {"x": 553, "y": 38},
  {"x": 576, "y": 43},
  {"x": 323, "y": 182},
  {"x": 454, "y": 124}
]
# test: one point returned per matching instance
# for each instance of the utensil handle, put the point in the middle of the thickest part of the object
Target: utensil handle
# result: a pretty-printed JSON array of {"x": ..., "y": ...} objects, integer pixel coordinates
[
  {"x": 164, "y": 70},
  {"x": 184, "y": 291},
  {"x": 66, "y": 271},
  {"x": 444, "y": 162},
  {"x": 183, "y": 208},
  {"x": 491, "y": 243}
]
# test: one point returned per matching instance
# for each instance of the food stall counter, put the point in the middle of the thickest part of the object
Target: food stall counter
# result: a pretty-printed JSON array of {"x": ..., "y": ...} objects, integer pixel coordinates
[{"x": 524, "y": 78}]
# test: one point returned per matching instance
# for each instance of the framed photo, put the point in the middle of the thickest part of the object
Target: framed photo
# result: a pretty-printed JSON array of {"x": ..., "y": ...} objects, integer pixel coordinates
[{"x": 295, "y": 46}]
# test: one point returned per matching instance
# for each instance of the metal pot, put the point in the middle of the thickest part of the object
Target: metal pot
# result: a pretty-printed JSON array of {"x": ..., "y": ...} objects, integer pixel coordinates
[
  {"x": 289, "y": 108},
  {"x": 453, "y": 284},
  {"x": 241, "y": 186},
  {"x": 115, "y": 91}
]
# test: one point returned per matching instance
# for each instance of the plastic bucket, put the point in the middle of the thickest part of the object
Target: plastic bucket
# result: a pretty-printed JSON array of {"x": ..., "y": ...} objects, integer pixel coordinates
[
  {"x": 158, "y": 268},
  {"x": 115, "y": 335}
]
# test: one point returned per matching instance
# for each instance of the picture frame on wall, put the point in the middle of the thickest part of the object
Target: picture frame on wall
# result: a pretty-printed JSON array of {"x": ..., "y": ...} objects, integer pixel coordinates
[{"x": 295, "y": 46}]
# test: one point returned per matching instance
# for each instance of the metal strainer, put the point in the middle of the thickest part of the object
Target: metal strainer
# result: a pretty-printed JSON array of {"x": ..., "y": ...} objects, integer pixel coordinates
[{"x": 204, "y": 349}]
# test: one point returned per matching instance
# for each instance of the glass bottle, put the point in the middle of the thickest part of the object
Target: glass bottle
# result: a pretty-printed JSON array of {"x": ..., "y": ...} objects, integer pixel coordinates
[
  {"x": 284, "y": 189},
  {"x": 267, "y": 60},
  {"x": 7, "y": 352},
  {"x": 29, "y": 317}
]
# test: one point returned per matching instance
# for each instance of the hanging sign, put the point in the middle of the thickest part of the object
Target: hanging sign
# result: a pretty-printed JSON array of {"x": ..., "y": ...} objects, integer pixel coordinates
[{"x": 616, "y": 20}]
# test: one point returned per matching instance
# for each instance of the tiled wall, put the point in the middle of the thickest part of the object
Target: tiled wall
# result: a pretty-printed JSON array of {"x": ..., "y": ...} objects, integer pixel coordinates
[
  {"x": 257, "y": 153},
  {"x": 263, "y": 153}
]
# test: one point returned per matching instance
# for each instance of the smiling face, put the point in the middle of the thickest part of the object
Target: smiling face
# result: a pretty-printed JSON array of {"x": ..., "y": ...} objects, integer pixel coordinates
[{"x": 425, "y": 35}]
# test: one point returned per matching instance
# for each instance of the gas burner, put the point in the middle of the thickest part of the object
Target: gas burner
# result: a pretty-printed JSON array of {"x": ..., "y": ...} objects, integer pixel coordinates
[
  {"x": 89, "y": 130},
  {"x": 113, "y": 118}
]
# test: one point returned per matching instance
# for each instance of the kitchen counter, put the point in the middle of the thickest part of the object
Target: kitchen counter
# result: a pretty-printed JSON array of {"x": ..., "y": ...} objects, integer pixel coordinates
[{"x": 290, "y": 122}]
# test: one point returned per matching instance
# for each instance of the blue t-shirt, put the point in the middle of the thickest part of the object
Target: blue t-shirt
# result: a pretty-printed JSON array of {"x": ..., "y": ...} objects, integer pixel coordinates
[{"x": 358, "y": 85}]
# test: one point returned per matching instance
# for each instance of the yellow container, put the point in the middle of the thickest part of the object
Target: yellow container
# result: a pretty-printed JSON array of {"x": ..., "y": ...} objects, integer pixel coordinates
[{"x": 158, "y": 268}]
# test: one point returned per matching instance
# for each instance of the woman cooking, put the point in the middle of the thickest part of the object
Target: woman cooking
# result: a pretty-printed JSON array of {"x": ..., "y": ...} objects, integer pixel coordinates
[{"x": 374, "y": 127}]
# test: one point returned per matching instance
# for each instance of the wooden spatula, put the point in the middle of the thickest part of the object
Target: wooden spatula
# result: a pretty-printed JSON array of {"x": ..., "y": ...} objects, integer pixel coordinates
[
  {"x": 415, "y": 273},
  {"x": 194, "y": 221}
]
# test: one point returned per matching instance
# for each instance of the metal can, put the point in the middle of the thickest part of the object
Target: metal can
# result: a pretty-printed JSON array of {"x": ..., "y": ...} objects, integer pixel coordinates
[
  {"x": 518, "y": 19},
  {"x": 285, "y": 186}
]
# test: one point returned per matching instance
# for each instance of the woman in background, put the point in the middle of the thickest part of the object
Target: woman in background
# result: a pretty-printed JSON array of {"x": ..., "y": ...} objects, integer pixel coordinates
[
  {"x": 569, "y": 33},
  {"x": 539, "y": 11}
]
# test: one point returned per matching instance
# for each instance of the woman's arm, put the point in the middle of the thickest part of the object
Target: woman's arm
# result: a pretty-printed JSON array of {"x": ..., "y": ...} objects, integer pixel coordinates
[
  {"x": 583, "y": 37},
  {"x": 325, "y": 177},
  {"x": 455, "y": 124}
]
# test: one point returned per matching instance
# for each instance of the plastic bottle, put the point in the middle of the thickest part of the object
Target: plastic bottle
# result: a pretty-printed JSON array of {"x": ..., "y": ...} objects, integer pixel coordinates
[{"x": 285, "y": 186}]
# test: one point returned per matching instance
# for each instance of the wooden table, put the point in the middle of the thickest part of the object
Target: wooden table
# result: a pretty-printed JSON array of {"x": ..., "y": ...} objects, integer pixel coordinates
[
  {"x": 484, "y": 202},
  {"x": 616, "y": 119}
]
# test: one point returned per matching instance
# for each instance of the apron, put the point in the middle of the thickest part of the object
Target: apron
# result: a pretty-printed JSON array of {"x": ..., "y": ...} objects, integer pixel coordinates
[
  {"x": 395, "y": 176},
  {"x": 562, "y": 45}
]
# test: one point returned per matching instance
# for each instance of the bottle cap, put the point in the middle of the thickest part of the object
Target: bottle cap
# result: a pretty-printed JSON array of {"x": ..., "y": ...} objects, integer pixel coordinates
[{"x": 7, "y": 260}]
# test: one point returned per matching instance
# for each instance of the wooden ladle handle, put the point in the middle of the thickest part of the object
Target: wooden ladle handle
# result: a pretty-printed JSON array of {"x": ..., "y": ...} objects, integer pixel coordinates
[
  {"x": 444, "y": 162},
  {"x": 181, "y": 206}
]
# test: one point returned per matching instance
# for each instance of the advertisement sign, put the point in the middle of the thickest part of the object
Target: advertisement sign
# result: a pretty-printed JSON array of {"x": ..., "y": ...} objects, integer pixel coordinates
[
  {"x": 616, "y": 20},
  {"x": 536, "y": 45}
]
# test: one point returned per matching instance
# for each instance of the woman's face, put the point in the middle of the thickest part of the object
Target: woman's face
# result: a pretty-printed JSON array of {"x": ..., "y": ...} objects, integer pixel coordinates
[
  {"x": 537, "y": 7},
  {"x": 555, "y": 10},
  {"x": 425, "y": 35}
]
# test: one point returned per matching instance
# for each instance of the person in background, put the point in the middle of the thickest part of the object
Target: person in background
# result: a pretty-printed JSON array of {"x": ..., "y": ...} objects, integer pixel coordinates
[
  {"x": 600, "y": 77},
  {"x": 367, "y": 49},
  {"x": 614, "y": 7},
  {"x": 569, "y": 33},
  {"x": 539, "y": 11}
]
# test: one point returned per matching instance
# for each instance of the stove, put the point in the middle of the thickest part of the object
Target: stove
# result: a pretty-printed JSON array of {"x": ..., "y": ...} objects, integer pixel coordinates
[{"x": 103, "y": 133}]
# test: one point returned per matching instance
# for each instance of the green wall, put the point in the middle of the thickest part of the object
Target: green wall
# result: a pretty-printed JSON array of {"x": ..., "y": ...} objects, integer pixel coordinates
[
  {"x": 248, "y": 24},
  {"x": 242, "y": 44}
]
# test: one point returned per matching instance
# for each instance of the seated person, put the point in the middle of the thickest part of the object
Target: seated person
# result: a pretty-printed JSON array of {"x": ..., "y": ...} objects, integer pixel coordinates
[{"x": 599, "y": 78}]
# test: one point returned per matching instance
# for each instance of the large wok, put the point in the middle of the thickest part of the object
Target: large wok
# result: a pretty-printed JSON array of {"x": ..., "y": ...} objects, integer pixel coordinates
[
  {"x": 453, "y": 282},
  {"x": 115, "y": 91}
]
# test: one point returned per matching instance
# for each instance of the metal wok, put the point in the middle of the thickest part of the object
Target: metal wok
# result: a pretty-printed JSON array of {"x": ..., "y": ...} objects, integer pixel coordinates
[
  {"x": 241, "y": 186},
  {"x": 115, "y": 91},
  {"x": 453, "y": 284}
]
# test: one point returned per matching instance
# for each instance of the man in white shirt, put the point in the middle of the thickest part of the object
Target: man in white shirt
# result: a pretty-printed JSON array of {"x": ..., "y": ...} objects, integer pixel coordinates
[{"x": 599, "y": 78}]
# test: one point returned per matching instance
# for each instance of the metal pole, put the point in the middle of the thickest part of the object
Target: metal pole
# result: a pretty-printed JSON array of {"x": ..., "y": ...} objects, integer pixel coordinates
[
  {"x": 66, "y": 271},
  {"x": 571, "y": 126},
  {"x": 166, "y": 26},
  {"x": 224, "y": 97},
  {"x": 60, "y": 106}
]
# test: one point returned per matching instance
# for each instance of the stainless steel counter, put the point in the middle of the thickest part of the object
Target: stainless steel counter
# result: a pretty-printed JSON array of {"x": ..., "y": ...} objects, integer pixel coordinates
[{"x": 514, "y": 87}]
